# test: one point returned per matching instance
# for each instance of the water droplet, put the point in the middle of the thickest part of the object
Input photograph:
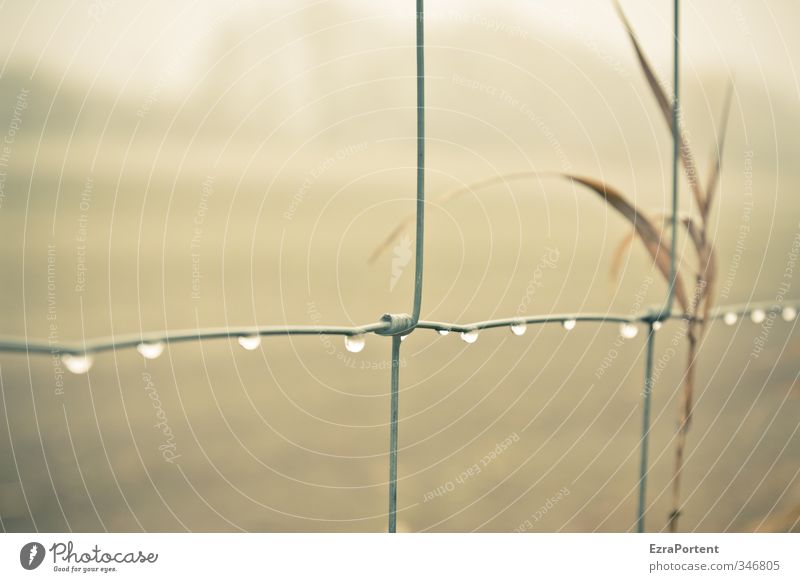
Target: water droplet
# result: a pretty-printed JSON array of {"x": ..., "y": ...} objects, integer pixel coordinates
[
  {"x": 150, "y": 350},
  {"x": 355, "y": 343},
  {"x": 77, "y": 364},
  {"x": 249, "y": 342},
  {"x": 470, "y": 336},
  {"x": 569, "y": 324},
  {"x": 519, "y": 328},
  {"x": 757, "y": 315},
  {"x": 403, "y": 337},
  {"x": 628, "y": 330},
  {"x": 730, "y": 318},
  {"x": 657, "y": 325},
  {"x": 789, "y": 313},
  {"x": 444, "y": 331}
]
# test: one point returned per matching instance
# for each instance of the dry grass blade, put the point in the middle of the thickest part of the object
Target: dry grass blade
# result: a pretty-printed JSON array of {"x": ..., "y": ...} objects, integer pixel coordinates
[
  {"x": 449, "y": 195},
  {"x": 704, "y": 280},
  {"x": 391, "y": 238},
  {"x": 658, "y": 91},
  {"x": 665, "y": 104},
  {"x": 707, "y": 264},
  {"x": 622, "y": 248},
  {"x": 710, "y": 279},
  {"x": 701, "y": 295},
  {"x": 650, "y": 236},
  {"x": 683, "y": 428},
  {"x": 692, "y": 229},
  {"x": 716, "y": 158}
]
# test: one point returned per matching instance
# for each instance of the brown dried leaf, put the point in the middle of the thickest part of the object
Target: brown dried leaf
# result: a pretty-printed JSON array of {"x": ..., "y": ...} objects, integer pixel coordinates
[
  {"x": 665, "y": 104},
  {"x": 410, "y": 218},
  {"x": 707, "y": 265},
  {"x": 716, "y": 156},
  {"x": 650, "y": 236},
  {"x": 622, "y": 248},
  {"x": 711, "y": 282},
  {"x": 685, "y": 411}
]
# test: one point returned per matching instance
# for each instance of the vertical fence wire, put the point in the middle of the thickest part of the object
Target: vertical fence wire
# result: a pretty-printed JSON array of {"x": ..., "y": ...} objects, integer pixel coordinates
[
  {"x": 393, "y": 414},
  {"x": 418, "y": 264},
  {"x": 420, "y": 230},
  {"x": 673, "y": 269},
  {"x": 676, "y": 145},
  {"x": 647, "y": 394}
]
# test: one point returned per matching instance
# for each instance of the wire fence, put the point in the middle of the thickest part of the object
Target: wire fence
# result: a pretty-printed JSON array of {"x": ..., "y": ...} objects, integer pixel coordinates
[{"x": 78, "y": 357}]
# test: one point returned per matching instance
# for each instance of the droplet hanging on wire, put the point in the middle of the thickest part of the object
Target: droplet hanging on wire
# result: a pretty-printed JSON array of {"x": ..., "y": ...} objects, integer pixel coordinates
[
  {"x": 519, "y": 328},
  {"x": 150, "y": 350},
  {"x": 249, "y": 342},
  {"x": 355, "y": 343},
  {"x": 77, "y": 364},
  {"x": 757, "y": 315},
  {"x": 470, "y": 336},
  {"x": 657, "y": 325},
  {"x": 730, "y": 318},
  {"x": 569, "y": 324},
  {"x": 444, "y": 331},
  {"x": 789, "y": 313},
  {"x": 628, "y": 330}
]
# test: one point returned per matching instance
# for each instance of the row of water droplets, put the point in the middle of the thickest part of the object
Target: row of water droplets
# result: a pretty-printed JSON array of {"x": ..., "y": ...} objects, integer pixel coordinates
[{"x": 82, "y": 363}]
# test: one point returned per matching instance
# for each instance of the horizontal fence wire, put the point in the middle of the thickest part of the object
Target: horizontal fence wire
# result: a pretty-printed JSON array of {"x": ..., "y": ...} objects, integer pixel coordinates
[
  {"x": 400, "y": 325},
  {"x": 730, "y": 314}
]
